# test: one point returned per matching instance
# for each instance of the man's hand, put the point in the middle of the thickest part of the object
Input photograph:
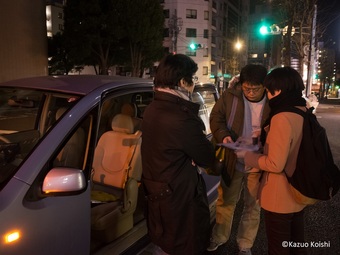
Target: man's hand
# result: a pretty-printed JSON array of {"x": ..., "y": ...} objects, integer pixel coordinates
[{"x": 227, "y": 139}]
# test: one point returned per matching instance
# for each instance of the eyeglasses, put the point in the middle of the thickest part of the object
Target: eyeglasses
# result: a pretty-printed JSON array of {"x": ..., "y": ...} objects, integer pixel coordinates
[
  {"x": 194, "y": 79},
  {"x": 254, "y": 90}
]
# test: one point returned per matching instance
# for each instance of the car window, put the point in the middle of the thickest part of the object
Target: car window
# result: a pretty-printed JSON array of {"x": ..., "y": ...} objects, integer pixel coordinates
[
  {"x": 131, "y": 104},
  {"x": 73, "y": 153},
  {"x": 19, "y": 113},
  {"x": 19, "y": 110},
  {"x": 25, "y": 116},
  {"x": 55, "y": 106}
]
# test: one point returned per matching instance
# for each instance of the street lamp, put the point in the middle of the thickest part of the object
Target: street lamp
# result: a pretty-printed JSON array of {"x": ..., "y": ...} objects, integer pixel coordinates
[
  {"x": 235, "y": 60},
  {"x": 238, "y": 46}
]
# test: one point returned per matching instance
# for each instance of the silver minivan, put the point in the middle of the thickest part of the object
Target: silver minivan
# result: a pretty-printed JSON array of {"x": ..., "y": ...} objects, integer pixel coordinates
[{"x": 70, "y": 164}]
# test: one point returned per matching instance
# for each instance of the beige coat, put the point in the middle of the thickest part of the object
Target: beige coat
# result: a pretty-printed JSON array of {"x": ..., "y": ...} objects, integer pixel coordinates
[{"x": 280, "y": 152}]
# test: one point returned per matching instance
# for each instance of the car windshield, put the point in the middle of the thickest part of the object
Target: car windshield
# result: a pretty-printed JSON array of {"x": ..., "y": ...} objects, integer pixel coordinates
[{"x": 25, "y": 116}]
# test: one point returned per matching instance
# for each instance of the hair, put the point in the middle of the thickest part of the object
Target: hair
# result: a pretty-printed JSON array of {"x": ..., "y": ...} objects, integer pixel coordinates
[
  {"x": 253, "y": 74},
  {"x": 286, "y": 79},
  {"x": 173, "y": 68}
]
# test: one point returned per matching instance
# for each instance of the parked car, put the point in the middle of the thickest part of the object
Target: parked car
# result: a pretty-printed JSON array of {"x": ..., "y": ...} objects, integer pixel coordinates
[{"x": 70, "y": 165}]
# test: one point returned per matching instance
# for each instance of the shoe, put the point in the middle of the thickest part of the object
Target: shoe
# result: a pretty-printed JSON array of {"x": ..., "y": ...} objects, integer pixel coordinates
[
  {"x": 214, "y": 245},
  {"x": 244, "y": 252}
]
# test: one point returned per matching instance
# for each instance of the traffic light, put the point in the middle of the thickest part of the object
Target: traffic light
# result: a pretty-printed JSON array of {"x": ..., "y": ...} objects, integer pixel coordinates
[
  {"x": 270, "y": 30},
  {"x": 195, "y": 46},
  {"x": 264, "y": 30}
]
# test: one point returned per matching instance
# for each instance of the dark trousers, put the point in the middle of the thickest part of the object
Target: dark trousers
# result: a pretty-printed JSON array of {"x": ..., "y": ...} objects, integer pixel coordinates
[{"x": 285, "y": 233}]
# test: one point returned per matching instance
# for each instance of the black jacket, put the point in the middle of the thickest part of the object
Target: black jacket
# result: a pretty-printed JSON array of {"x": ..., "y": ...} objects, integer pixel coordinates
[{"x": 177, "y": 207}]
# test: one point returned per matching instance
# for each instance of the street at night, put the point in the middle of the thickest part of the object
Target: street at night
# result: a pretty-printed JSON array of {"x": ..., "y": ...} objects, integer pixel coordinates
[{"x": 109, "y": 108}]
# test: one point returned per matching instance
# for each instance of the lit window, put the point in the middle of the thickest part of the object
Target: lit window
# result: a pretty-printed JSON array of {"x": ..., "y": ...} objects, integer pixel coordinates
[
  {"x": 206, "y": 15},
  {"x": 191, "y": 14},
  {"x": 205, "y": 70}
]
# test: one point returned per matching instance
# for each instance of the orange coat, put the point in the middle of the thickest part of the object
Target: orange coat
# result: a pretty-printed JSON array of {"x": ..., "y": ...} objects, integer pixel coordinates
[{"x": 280, "y": 152}]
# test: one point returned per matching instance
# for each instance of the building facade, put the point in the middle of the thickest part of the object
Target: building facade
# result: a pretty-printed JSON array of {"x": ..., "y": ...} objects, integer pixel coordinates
[
  {"x": 216, "y": 30},
  {"x": 54, "y": 16}
]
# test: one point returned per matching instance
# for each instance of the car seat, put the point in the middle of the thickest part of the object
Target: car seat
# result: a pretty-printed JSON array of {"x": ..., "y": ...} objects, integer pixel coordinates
[
  {"x": 131, "y": 110},
  {"x": 117, "y": 170}
]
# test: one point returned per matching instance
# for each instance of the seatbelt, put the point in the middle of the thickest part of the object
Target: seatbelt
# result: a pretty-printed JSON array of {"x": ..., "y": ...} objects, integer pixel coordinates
[{"x": 127, "y": 168}]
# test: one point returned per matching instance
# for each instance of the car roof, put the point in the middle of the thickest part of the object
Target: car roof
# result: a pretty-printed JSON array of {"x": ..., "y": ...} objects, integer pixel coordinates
[
  {"x": 205, "y": 85},
  {"x": 74, "y": 84}
]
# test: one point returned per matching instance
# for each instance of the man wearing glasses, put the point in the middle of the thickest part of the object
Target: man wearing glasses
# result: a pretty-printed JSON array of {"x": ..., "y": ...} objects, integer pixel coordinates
[{"x": 238, "y": 115}]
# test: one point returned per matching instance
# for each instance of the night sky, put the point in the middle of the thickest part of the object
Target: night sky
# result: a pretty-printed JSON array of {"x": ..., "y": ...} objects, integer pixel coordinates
[{"x": 329, "y": 13}]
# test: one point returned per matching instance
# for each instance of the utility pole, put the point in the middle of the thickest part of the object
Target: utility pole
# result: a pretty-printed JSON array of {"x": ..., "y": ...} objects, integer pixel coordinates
[
  {"x": 175, "y": 26},
  {"x": 311, "y": 55}
]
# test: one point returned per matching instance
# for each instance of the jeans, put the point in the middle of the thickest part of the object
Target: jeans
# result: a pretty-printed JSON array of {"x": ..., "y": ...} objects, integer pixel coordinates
[
  {"x": 226, "y": 204},
  {"x": 284, "y": 230}
]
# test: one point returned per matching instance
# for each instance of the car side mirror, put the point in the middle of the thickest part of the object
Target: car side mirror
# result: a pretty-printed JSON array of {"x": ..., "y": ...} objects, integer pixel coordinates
[{"x": 64, "y": 180}]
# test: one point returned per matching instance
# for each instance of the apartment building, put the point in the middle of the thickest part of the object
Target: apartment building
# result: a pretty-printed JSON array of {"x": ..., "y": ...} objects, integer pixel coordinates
[
  {"x": 217, "y": 30},
  {"x": 54, "y": 16}
]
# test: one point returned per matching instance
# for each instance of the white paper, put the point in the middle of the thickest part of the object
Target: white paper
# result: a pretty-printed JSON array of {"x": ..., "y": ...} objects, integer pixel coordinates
[{"x": 241, "y": 144}]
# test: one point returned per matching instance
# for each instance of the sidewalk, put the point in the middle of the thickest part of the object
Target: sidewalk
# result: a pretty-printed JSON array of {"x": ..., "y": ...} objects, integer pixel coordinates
[{"x": 330, "y": 101}]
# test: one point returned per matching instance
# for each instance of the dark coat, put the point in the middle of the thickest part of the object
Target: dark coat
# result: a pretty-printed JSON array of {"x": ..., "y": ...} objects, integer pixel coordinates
[{"x": 177, "y": 207}]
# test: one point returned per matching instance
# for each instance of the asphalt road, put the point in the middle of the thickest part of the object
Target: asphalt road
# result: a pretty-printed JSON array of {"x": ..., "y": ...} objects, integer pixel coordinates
[{"x": 322, "y": 221}]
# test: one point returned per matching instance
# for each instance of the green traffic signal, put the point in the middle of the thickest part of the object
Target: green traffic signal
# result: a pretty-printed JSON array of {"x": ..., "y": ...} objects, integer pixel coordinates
[
  {"x": 193, "y": 46},
  {"x": 264, "y": 30},
  {"x": 273, "y": 29}
]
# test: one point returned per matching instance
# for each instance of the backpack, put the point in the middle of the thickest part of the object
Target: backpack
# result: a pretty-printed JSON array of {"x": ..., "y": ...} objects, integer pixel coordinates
[{"x": 316, "y": 176}]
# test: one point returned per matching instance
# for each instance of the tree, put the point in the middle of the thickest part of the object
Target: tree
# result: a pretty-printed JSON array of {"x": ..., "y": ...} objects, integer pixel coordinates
[
  {"x": 302, "y": 38},
  {"x": 107, "y": 32},
  {"x": 297, "y": 15},
  {"x": 144, "y": 32},
  {"x": 60, "y": 60},
  {"x": 92, "y": 29}
]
